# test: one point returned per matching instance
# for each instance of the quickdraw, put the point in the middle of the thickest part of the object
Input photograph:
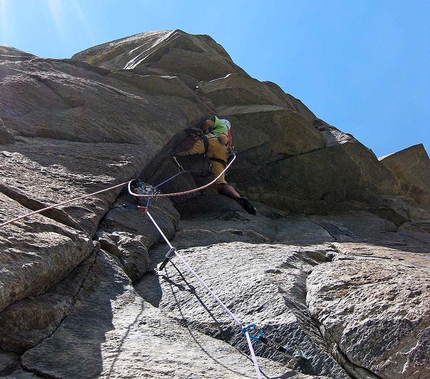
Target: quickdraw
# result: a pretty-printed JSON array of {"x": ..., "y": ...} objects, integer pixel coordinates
[
  {"x": 170, "y": 254},
  {"x": 176, "y": 160},
  {"x": 298, "y": 358},
  {"x": 139, "y": 208}
]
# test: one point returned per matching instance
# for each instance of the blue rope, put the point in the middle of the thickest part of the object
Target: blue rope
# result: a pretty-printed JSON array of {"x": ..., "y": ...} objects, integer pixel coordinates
[{"x": 169, "y": 179}]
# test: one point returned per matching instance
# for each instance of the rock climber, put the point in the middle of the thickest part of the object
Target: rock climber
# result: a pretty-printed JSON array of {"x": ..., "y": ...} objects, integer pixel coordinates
[{"x": 216, "y": 144}]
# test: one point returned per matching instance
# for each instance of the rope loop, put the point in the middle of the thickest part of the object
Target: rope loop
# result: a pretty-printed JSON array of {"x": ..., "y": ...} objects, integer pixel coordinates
[{"x": 151, "y": 195}]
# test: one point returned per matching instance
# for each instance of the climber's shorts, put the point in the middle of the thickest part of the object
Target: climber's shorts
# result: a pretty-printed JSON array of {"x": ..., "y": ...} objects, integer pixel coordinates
[
  {"x": 215, "y": 150},
  {"x": 217, "y": 168}
]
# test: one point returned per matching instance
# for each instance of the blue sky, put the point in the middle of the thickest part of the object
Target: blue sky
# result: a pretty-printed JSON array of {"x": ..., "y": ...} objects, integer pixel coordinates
[{"x": 360, "y": 65}]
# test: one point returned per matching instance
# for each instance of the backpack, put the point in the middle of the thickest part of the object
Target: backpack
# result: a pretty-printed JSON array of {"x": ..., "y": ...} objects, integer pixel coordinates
[{"x": 230, "y": 136}]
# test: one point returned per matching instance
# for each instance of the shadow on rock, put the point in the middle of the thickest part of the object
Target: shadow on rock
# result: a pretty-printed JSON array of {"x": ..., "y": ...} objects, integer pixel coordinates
[{"x": 79, "y": 338}]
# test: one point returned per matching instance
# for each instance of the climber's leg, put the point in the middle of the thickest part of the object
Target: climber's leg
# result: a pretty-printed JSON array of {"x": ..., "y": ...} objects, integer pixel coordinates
[{"x": 228, "y": 190}]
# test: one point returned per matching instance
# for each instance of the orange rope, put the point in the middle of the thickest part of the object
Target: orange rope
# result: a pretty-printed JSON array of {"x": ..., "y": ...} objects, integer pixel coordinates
[
  {"x": 182, "y": 192},
  {"x": 63, "y": 203}
]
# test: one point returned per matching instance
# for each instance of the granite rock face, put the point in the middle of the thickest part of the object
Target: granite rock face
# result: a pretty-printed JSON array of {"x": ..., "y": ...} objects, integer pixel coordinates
[
  {"x": 375, "y": 313},
  {"x": 335, "y": 262}
]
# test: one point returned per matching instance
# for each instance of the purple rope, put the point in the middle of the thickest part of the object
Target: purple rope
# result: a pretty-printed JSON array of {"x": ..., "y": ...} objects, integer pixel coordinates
[{"x": 169, "y": 179}]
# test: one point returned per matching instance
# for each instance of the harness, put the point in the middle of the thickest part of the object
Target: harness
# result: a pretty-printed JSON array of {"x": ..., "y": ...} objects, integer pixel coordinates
[{"x": 198, "y": 133}]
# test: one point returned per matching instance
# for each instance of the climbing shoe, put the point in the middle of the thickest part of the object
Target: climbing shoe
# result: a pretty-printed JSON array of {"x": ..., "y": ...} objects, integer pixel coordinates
[{"x": 247, "y": 205}]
